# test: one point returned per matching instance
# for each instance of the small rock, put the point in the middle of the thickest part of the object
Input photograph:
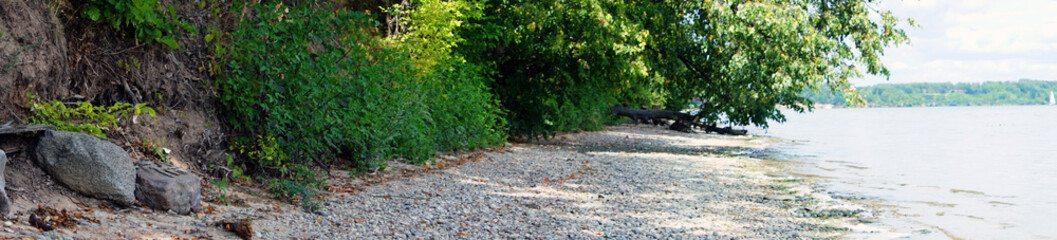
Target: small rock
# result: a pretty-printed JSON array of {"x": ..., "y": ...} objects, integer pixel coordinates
[
  {"x": 170, "y": 188},
  {"x": 243, "y": 228},
  {"x": 8, "y": 223}
]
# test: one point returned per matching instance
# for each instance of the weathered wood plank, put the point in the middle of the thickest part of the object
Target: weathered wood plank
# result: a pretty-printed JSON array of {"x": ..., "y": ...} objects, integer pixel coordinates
[{"x": 12, "y": 129}]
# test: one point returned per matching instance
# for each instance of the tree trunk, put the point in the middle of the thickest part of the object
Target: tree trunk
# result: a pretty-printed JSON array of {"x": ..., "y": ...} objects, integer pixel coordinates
[
  {"x": 648, "y": 116},
  {"x": 684, "y": 122},
  {"x": 726, "y": 130}
]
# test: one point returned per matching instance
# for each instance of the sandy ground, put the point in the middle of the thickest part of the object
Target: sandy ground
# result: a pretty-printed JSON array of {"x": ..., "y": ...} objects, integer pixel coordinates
[{"x": 628, "y": 182}]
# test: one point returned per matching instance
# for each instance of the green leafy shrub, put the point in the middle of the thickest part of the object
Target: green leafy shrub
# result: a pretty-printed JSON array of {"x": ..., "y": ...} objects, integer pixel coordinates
[
  {"x": 83, "y": 117},
  {"x": 558, "y": 65},
  {"x": 305, "y": 86},
  {"x": 145, "y": 16},
  {"x": 465, "y": 113},
  {"x": 302, "y": 188}
]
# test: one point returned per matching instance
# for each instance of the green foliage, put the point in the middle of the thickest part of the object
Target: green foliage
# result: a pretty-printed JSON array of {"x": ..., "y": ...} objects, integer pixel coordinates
[
  {"x": 744, "y": 58},
  {"x": 83, "y": 117},
  {"x": 231, "y": 173},
  {"x": 559, "y": 64},
  {"x": 741, "y": 58},
  {"x": 464, "y": 112},
  {"x": 222, "y": 187},
  {"x": 432, "y": 26},
  {"x": 305, "y": 86},
  {"x": 158, "y": 149},
  {"x": 146, "y": 17},
  {"x": 302, "y": 187},
  {"x": 1023, "y": 92}
]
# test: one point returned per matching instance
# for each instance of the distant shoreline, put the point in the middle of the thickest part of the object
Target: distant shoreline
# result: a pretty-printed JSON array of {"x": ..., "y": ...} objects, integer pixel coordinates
[
  {"x": 817, "y": 107},
  {"x": 1021, "y": 92}
]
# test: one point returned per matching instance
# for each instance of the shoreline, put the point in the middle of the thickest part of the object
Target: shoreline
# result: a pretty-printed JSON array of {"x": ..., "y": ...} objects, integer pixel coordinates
[{"x": 628, "y": 181}]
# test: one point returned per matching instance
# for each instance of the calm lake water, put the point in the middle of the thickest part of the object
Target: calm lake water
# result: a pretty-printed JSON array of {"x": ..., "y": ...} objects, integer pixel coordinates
[{"x": 957, "y": 172}]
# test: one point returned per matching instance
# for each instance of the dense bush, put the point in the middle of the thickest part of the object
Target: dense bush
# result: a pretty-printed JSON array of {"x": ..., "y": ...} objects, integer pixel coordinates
[
  {"x": 464, "y": 111},
  {"x": 306, "y": 82},
  {"x": 559, "y": 65},
  {"x": 306, "y": 85}
]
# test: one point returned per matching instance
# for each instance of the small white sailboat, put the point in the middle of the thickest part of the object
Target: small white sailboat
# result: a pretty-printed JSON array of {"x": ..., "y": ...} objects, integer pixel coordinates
[{"x": 1052, "y": 101}]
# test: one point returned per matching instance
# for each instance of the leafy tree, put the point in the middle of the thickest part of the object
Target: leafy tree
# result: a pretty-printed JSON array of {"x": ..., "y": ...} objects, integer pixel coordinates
[
  {"x": 431, "y": 30},
  {"x": 558, "y": 62},
  {"x": 744, "y": 58}
]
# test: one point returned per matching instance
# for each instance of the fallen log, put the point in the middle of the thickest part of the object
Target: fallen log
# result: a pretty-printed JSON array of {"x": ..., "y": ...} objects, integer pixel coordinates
[
  {"x": 11, "y": 129},
  {"x": 683, "y": 122},
  {"x": 682, "y": 127},
  {"x": 726, "y": 130},
  {"x": 650, "y": 116}
]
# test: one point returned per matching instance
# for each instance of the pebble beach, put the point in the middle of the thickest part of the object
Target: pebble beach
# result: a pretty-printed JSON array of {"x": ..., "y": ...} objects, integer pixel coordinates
[{"x": 628, "y": 182}]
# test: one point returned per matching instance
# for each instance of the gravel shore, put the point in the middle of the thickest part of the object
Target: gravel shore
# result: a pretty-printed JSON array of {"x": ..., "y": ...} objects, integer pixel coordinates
[{"x": 627, "y": 182}]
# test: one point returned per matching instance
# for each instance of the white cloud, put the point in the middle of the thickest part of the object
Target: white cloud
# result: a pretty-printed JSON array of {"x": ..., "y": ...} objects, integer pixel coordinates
[{"x": 974, "y": 40}]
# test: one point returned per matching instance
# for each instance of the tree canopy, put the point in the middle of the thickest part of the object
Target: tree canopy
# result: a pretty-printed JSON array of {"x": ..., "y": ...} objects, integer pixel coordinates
[{"x": 558, "y": 61}]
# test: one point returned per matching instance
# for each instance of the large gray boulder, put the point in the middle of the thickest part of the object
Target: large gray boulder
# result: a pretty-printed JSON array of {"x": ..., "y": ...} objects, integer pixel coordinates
[
  {"x": 89, "y": 165},
  {"x": 5, "y": 202},
  {"x": 166, "y": 187}
]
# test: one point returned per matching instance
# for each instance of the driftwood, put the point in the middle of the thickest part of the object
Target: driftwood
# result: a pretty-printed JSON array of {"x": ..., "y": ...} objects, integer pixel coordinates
[
  {"x": 650, "y": 116},
  {"x": 15, "y": 138},
  {"x": 682, "y": 127},
  {"x": 9, "y": 129},
  {"x": 726, "y": 130},
  {"x": 682, "y": 122}
]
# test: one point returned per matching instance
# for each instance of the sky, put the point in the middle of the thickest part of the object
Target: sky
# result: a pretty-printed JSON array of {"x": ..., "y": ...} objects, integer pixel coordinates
[{"x": 973, "y": 41}]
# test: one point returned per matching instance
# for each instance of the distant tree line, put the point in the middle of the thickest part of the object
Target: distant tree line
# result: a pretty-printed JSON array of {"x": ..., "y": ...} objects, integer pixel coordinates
[{"x": 1022, "y": 92}]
